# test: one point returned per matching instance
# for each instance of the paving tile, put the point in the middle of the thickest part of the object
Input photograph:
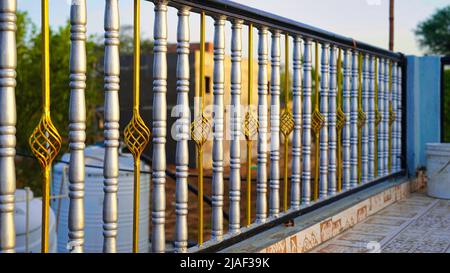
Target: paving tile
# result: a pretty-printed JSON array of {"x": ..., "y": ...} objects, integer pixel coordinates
[{"x": 418, "y": 224}]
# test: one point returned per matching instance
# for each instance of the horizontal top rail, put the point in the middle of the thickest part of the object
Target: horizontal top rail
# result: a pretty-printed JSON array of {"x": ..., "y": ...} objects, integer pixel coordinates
[{"x": 259, "y": 17}]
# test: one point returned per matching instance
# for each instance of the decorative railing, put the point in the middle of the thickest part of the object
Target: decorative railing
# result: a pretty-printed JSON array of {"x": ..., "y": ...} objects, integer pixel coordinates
[{"x": 346, "y": 119}]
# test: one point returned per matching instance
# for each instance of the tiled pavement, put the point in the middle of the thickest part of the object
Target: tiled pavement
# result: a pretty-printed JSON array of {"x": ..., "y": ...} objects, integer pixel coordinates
[{"x": 418, "y": 224}]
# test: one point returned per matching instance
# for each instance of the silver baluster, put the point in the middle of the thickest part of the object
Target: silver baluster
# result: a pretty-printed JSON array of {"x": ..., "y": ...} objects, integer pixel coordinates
[
  {"x": 297, "y": 115},
  {"x": 383, "y": 117},
  {"x": 261, "y": 184},
  {"x": 77, "y": 124},
  {"x": 218, "y": 129},
  {"x": 307, "y": 111},
  {"x": 346, "y": 130},
  {"x": 235, "y": 146},
  {"x": 365, "y": 129},
  {"x": 159, "y": 126},
  {"x": 183, "y": 129},
  {"x": 8, "y": 63},
  {"x": 274, "y": 197},
  {"x": 332, "y": 160},
  {"x": 399, "y": 116},
  {"x": 323, "y": 187},
  {"x": 111, "y": 132},
  {"x": 394, "y": 125},
  {"x": 386, "y": 118},
  {"x": 371, "y": 118},
  {"x": 354, "y": 123}
]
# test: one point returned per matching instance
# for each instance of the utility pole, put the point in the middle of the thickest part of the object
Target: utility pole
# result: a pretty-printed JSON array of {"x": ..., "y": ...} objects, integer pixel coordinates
[{"x": 391, "y": 25}]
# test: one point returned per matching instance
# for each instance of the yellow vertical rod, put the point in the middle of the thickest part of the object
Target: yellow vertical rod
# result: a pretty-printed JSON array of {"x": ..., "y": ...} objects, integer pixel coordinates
[
  {"x": 46, "y": 110},
  {"x": 286, "y": 139},
  {"x": 249, "y": 140},
  {"x": 45, "y": 209},
  {"x": 390, "y": 125},
  {"x": 360, "y": 109},
  {"x": 339, "y": 133},
  {"x": 136, "y": 200},
  {"x": 200, "y": 147},
  {"x": 137, "y": 54},
  {"x": 317, "y": 135},
  {"x": 376, "y": 125},
  {"x": 136, "y": 99},
  {"x": 45, "y": 57}
]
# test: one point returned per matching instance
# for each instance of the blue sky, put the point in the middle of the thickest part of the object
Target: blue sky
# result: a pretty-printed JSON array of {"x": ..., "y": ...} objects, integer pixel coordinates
[{"x": 364, "y": 20}]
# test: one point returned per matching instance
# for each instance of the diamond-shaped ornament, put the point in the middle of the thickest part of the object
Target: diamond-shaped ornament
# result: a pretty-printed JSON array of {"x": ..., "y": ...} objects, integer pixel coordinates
[
  {"x": 286, "y": 123},
  {"x": 317, "y": 121},
  {"x": 200, "y": 129},
  {"x": 136, "y": 135},
  {"x": 250, "y": 126},
  {"x": 340, "y": 119},
  {"x": 45, "y": 141},
  {"x": 378, "y": 117},
  {"x": 361, "y": 119},
  {"x": 392, "y": 117}
]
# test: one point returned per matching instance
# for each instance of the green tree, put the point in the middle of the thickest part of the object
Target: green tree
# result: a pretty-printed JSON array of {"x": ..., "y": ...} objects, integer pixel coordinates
[{"x": 433, "y": 34}]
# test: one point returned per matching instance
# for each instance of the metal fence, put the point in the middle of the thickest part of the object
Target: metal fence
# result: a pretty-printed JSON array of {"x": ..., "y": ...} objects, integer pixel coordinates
[{"x": 348, "y": 120}]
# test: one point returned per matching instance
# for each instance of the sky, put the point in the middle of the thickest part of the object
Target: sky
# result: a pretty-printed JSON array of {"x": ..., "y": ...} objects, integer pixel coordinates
[{"x": 362, "y": 20}]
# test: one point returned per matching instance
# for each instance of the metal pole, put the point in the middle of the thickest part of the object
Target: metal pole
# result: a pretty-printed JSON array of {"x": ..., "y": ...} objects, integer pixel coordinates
[{"x": 391, "y": 25}]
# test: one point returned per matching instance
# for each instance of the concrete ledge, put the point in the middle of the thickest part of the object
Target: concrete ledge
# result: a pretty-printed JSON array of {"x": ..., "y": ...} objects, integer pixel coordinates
[{"x": 312, "y": 229}]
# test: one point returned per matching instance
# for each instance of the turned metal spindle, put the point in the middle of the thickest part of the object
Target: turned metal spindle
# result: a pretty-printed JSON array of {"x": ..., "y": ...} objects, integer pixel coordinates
[
  {"x": 371, "y": 119},
  {"x": 306, "y": 117},
  {"x": 111, "y": 131},
  {"x": 354, "y": 122},
  {"x": 386, "y": 117},
  {"x": 381, "y": 111},
  {"x": 159, "y": 126},
  {"x": 324, "y": 85},
  {"x": 77, "y": 124},
  {"x": 235, "y": 146},
  {"x": 332, "y": 133},
  {"x": 8, "y": 64},
  {"x": 261, "y": 184},
  {"x": 393, "y": 152},
  {"x": 297, "y": 116},
  {"x": 183, "y": 129},
  {"x": 398, "y": 120},
  {"x": 365, "y": 128},
  {"x": 346, "y": 130},
  {"x": 218, "y": 129},
  {"x": 274, "y": 184}
]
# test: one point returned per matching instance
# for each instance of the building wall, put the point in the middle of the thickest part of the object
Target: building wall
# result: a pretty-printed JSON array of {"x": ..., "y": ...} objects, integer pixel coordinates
[{"x": 423, "y": 108}]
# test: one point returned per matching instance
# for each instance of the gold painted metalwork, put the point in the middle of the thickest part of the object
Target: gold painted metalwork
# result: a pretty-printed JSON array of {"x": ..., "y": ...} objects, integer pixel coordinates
[
  {"x": 317, "y": 123},
  {"x": 392, "y": 118},
  {"x": 250, "y": 125},
  {"x": 361, "y": 117},
  {"x": 378, "y": 119},
  {"x": 340, "y": 122},
  {"x": 45, "y": 141},
  {"x": 200, "y": 129},
  {"x": 136, "y": 134},
  {"x": 286, "y": 123}
]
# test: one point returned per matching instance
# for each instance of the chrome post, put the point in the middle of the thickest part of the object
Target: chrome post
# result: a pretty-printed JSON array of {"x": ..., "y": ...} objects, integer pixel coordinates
[
  {"x": 111, "y": 131},
  {"x": 274, "y": 196},
  {"x": 77, "y": 124}
]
